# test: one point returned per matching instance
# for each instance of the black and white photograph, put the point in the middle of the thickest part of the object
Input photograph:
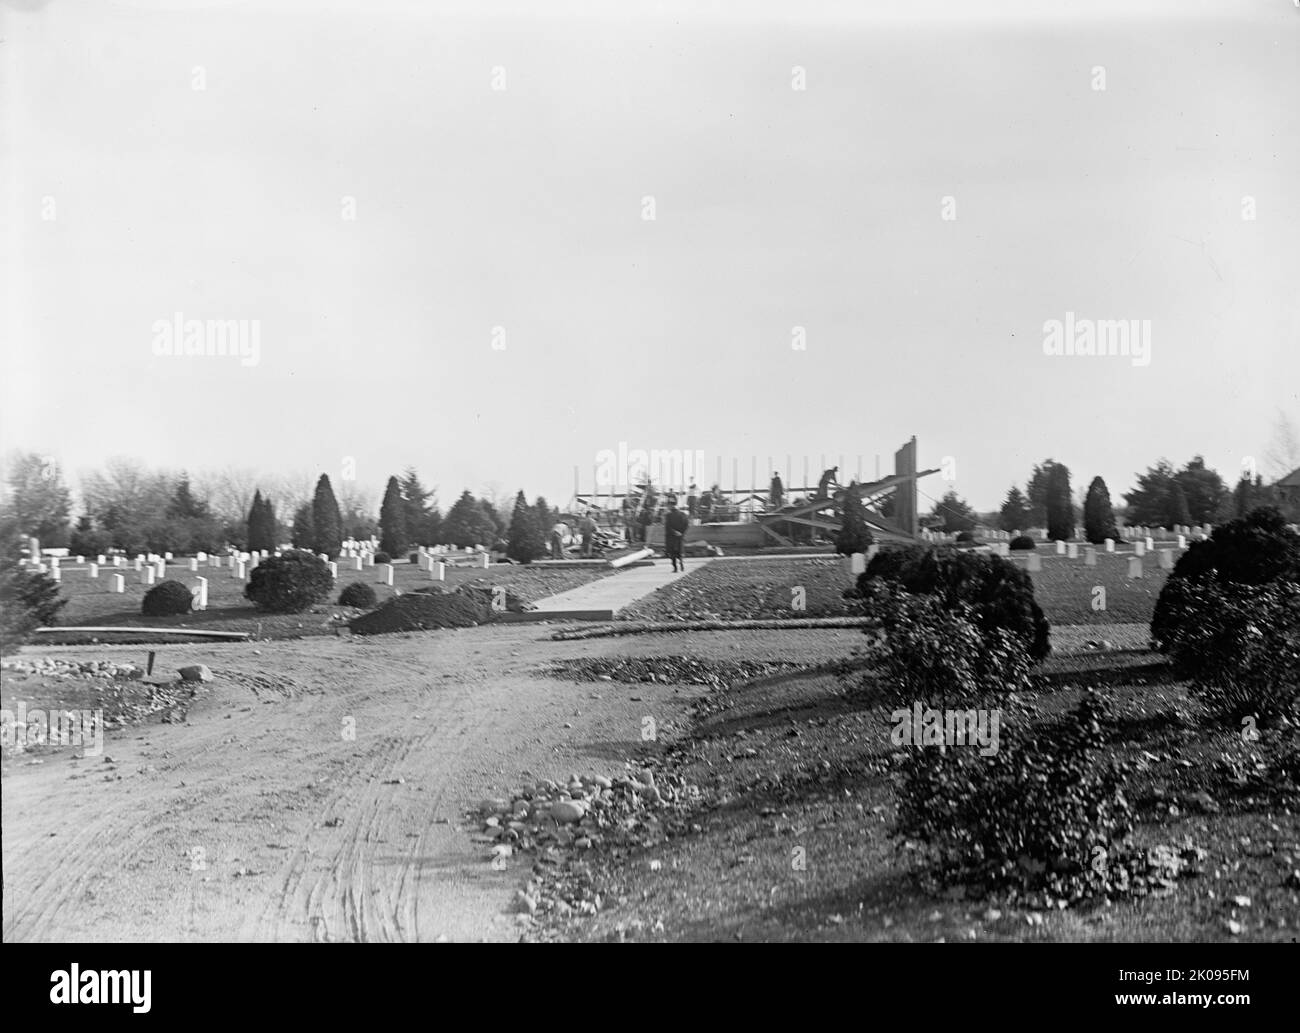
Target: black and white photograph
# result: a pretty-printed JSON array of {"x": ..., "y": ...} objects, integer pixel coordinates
[{"x": 653, "y": 471}]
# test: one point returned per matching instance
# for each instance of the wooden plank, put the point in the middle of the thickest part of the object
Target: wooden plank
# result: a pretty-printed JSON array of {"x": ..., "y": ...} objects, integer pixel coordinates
[{"x": 133, "y": 630}]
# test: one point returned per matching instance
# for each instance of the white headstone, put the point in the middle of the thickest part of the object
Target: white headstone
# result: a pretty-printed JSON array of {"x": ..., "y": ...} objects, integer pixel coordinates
[
  {"x": 324, "y": 557},
  {"x": 99, "y": 560},
  {"x": 484, "y": 560},
  {"x": 1150, "y": 543},
  {"x": 1182, "y": 541},
  {"x": 1110, "y": 544},
  {"x": 56, "y": 573},
  {"x": 356, "y": 562},
  {"x": 1134, "y": 567},
  {"x": 387, "y": 573},
  {"x": 241, "y": 571},
  {"x": 117, "y": 583},
  {"x": 202, "y": 557},
  {"x": 201, "y": 595},
  {"x": 1165, "y": 558},
  {"x": 440, "y": 571},
  {"x": 139, "y": 563},
  {"x": 161, "y": 568},
  {"x": 1139, "y": 548},
  {"x": 370, "y": 559},
  {"x": 1089, "y": 557},
  {"x": 872, "y": 549},
  {"x": 1060, "y": 547},
  {"x": 857, "y": 563},
  {"x": 81, "y": 559},
  {"x": 1035, "y": 563},
  {"x": 149, "y": 575},
  {"x": 118, "y": 561},
  {"x": 194, "y": 564},
  {"x": 94, "y": 570},
  {"x": 167, "y": 556},
  {"x": 1072, "y": 551},
  {"x": 334, "y": 570}
]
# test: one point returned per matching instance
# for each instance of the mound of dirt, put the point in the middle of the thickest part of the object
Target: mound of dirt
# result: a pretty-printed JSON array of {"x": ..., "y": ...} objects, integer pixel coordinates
[
  {"x": 513, "y": 603},
  {"x": 423, "y": 611}
]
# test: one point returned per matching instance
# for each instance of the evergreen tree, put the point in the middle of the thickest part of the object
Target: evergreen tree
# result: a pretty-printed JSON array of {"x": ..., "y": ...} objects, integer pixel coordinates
[
  {"x": 526, "y": 542},
  {"x": 261, "y": 524},
  {"x": 1177, "y": 513},
  {"x": 1037, "y": 491},
  {"x": 38, "y": 500},
  {"x": 466, "y": 524},
  {"x": 1203, "y": 489},
  {"x": 393, "y": 538},
  {"x": 422, "y": 516},
  {"x": 304, "y": 530},
  {"x": 1148, "y": 502},
  {"x": 953, "y": 514},
  {"x": 326, "y": 519},
  {"x": 184, "y": 506},
  {"x": 853, "y": 535},
  {"x": 545, "y": 516},
  {"x": 1060, "y": 508},
  {"x": 1098, "y": 513},
  {"x": 1014, "y": 515}
]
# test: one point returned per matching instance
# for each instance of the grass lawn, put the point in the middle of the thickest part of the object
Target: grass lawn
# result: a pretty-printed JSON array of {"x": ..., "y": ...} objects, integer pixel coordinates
[
  {"x": 763, "y": 588},
  {"x": 91, "y": 603}
]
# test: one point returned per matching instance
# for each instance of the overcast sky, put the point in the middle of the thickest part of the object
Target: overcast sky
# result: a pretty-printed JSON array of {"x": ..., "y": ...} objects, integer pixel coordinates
[{"x": 355, "y": 178}]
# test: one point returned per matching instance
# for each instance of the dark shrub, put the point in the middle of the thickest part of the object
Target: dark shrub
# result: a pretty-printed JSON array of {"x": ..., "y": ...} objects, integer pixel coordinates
[
  {"x": 999, "y": 593},
  {"x": 964, "y": 537},
  {"x": 935, "y": 652},
  {"x": 1022, "y": 543},
  {"x": 414, "y": 557},
  {"x": 382, "y": 557},
  {"x": 289, "y": 583},
  {"x": 1254, "y": 550},
  {"x": 28, "y": 600},
  {"x": 1241, "y": 649},
  {"x": 167, "y": 599},
  {"x": 358, "y": 594},
  {"x": 1040, "y": 813}
]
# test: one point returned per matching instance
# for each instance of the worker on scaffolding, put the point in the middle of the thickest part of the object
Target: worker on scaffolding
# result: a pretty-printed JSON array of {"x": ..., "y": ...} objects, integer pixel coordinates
[
  {"x": 776, "y": 493},
  {"x": 829, "y": 477}
]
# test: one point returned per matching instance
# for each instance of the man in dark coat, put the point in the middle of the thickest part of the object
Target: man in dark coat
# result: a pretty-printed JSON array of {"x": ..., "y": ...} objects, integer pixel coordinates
[{"x": 675, "y": 524}]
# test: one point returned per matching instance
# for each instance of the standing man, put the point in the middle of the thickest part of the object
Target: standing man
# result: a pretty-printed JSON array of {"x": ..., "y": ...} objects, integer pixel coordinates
[
  {"x": 675, "y": 524},
  {"x": 776, "y": 494},
  {"x": 558, "y": 533},
  {"x": 587, "y": 527},
  {"x": 829, "y": 477}
]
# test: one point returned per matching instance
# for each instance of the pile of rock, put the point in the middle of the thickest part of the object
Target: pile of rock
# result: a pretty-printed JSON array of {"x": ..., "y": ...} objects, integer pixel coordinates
[
  {"x": 561, "y": 823},
  {"x": 50, "y": 667}
]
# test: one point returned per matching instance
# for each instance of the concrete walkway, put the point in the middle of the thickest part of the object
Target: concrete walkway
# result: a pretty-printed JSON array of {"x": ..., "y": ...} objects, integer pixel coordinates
[{"x": 603, "y": 598}]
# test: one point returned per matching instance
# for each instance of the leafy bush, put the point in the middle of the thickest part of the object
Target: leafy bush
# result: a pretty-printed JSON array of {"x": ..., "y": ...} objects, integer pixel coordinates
[
  {"x": 358, "y": 594},
  {"x": 1000, "y": 595},
  {"x": 964, "y": 537},
  {"x": 1022, "y": 543},
  {"x": 28, "y": 600},
  {"x": 382, "y": 557},
  {"x": 853, "y": 534},
  {"x": 167, "y": 599},
  {"x": 289, "y": 583},
  {"x": 935, "y": 652},
  {"x": 1039, "y": 813},
  {"x": 1254, "y": 550},
  {"x": 413, "y": 557},
  {"x": 1241, "y": 647}
]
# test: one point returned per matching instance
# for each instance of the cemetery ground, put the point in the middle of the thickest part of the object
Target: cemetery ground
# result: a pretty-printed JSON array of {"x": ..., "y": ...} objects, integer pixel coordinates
[
  {"x": 92, "y": 604},
  {"x": 326, "y": 789}
]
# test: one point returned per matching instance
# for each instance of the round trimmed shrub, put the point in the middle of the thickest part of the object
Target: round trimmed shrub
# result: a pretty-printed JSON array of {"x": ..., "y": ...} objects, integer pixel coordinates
[
  {"x": 965, "y": 537},
  {"x": 289, "y": 583},
  {"x": 999, "y": 594},
  {"x": 358, "y": 594},
  {"x": 1022, "y": 543},
  {"x": 382, "y": 557},
  {"x": 167, "y": 599},
  {"x": 1257, "y": 549}
]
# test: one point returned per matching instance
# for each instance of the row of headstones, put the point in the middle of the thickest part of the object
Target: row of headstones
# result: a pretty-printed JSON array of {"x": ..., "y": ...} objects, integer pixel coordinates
[
  {"x": 1182, "y": 532},
  {"x": 857, "y": 563}
]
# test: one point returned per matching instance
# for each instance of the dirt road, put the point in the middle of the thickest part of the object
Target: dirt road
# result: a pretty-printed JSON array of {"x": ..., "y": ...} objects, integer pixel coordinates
[{"x": 259, "y": 818}]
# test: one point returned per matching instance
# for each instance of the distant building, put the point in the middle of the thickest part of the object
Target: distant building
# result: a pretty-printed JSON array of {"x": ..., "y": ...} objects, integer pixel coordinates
[{"x": 1287, "y": 491}]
